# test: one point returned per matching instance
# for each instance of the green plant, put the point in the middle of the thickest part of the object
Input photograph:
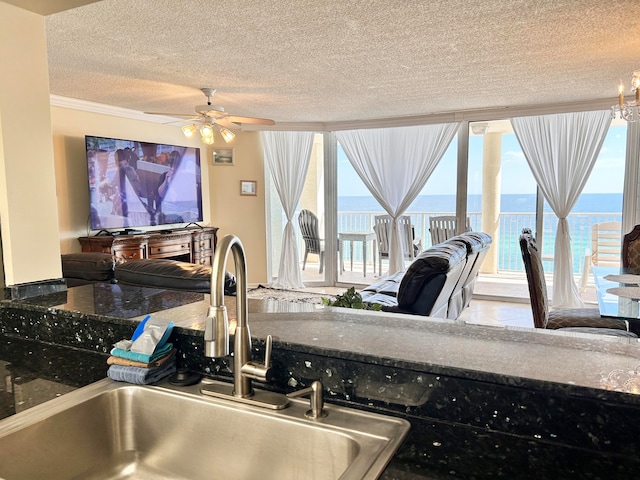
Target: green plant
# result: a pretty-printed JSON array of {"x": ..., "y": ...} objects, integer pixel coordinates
[{"x": 351, "y": 299}]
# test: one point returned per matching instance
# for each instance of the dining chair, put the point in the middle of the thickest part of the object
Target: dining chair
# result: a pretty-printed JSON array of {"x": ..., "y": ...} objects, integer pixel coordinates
[
  {"x": 309, "y": 228},
  {"x": 382, "y": 228},
  {"x": 606, "y": 245},
  {"x": 631, "y": 248},
  {"x": 444, "y": 227},
  {"x": 583, "y": 319}
]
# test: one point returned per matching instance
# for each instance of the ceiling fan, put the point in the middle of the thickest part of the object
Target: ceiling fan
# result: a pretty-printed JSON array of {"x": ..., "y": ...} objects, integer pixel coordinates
[{"x": 212, "y": 117}]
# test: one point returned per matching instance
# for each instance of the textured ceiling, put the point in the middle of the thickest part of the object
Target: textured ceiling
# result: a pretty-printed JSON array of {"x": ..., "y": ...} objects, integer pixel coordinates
[
  {"x": 335, "y": 60},
  {"x": 47, "y": 7}
]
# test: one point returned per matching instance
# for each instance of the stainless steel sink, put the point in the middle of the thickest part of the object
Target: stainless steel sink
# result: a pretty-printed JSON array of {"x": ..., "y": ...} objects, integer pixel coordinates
[{"x": 111, "y": 430}]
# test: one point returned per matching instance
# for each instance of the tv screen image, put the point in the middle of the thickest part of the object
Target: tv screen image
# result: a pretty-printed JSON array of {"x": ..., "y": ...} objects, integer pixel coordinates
[{"x": 136, "y": 184}]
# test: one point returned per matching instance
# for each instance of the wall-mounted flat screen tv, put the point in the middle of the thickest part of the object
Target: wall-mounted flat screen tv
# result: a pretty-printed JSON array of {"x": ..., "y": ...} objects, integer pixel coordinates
[{"x": 136, "y": 184}]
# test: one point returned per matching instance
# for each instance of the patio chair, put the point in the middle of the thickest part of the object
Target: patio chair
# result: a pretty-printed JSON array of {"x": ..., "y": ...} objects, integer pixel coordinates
[
  {"x": 578, "y": 319},
  {"x": 444, "y": 227},
  {"x": 606, "y": 243},
  {"x": 309, "y": 229},
  {"x": 631, "y": 248},
  {"x": 382, "y": 227}
]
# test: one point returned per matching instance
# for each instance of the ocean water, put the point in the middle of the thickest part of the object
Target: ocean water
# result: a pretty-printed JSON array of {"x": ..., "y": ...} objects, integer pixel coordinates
[
  {"x": 509, "y": 203},
  {"x": 589, "y": 209}
]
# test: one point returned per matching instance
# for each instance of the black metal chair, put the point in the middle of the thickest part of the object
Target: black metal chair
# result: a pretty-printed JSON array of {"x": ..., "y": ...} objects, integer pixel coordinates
[{"x": 310, "y": 231}]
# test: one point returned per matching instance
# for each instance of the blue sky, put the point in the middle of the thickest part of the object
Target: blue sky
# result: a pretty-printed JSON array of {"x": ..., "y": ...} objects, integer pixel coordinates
[{"x": 606, "y": 177}]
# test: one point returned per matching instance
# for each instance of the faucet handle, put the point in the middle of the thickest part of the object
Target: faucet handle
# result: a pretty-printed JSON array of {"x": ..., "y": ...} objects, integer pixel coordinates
[
  {"x": 216, "y": 333},
  {"x": 256, "y": 371},
  {"x": 267, "y": 352}
]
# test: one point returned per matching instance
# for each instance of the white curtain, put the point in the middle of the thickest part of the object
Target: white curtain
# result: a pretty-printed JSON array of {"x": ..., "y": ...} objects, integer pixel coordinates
[
  {"x": 394, "y": 164},
  {"x": 561, "y": 151},
  {"x": 288, "y": 155},
  {"x": 630, "y": 209}
]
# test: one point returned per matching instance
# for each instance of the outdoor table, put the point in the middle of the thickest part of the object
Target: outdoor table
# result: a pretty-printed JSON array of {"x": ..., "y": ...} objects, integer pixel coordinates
[{"x": 365, "y": 238}]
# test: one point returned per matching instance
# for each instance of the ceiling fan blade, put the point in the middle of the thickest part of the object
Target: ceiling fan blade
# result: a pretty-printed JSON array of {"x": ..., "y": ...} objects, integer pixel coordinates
[
  {"x": 224, "y": 122},
  {"x": 189, "y": 115},
  {"x": 251, "y": 120}
]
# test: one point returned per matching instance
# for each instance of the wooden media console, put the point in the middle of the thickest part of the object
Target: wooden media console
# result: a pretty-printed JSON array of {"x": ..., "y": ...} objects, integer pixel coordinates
[{"x": 195, "y": 245}]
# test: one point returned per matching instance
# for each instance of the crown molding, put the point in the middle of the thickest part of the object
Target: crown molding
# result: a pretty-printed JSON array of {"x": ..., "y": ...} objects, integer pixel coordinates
[
  {"x": 288, "y": 127},
  {"x": 499, "y": 113},
  {"x": 93, "y": 107},
  {"x": 480, "y": 115}
]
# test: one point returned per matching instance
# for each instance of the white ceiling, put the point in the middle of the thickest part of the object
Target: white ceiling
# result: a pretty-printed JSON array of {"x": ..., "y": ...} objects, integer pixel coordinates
[{"x": 328, "y": 61}]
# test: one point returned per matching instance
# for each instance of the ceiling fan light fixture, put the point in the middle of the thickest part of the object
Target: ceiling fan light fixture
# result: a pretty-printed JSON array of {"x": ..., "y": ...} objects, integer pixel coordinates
[
  {"x": 189, "y": 130},
  {"x": 227, "y": 134},
  {"x": 210, "y": 118},
  {"x": 206, "y": 130}
]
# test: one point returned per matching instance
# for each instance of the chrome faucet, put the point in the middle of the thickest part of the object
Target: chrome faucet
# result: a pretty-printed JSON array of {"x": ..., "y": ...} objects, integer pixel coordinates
[{"x": 216, "y": 334}]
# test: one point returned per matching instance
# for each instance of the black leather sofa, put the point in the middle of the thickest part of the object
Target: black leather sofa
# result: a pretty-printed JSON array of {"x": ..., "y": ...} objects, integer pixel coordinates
[
  {"x": 477, "y": 245},
  {"x": 88, "y": 267},
  {"x": 173, "y": 274},
  {"x": 438, "y": 283},
  {"x": 91, "y": 267}
]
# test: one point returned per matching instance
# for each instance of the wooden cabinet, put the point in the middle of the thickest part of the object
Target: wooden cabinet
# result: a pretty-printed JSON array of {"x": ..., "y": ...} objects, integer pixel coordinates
[
  {"x": 203, "y": 246},
  {"x": 195, "y": 245},
  {"x": 176, "y": 245},
  {"x": 128, "y": 247}
]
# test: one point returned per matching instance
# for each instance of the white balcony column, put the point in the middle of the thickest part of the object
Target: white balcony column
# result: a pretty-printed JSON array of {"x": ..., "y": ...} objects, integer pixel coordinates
[{"x": 491, "y": 176}]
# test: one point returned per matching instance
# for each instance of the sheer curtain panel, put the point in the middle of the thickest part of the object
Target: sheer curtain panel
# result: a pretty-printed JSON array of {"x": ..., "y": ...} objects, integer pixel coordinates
[
  {"x": 630, "y": 212},
  {"x": 561, "y": 150},
  {"x": 394, "y": 164},
  {"x": 287, "y": 155}
]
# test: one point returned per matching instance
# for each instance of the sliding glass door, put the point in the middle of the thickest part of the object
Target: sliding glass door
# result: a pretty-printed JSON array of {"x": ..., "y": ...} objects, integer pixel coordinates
[
  {"x": 311, "y": 249},
  {"x": 493, "y": 184},
  {"x": 502, "y": 199},
  {"x": 357, "y": 209}
]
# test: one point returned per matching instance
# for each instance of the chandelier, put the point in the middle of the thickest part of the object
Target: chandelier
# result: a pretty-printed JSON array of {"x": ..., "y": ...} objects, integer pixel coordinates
[{"x": 629, "y": 111}]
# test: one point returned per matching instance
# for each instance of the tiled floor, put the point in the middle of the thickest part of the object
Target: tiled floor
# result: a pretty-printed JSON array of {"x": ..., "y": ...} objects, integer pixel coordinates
[
  {"x": 502, "y": 297},
  {"x": 483, "y": 308},
  {"x": 502, "y": 312}
]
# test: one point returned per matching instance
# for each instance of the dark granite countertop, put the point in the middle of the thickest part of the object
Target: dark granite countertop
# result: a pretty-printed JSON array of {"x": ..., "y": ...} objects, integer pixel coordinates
[
  {"x": 504, "y": 354},
  {"x": 488, "y": 397}
]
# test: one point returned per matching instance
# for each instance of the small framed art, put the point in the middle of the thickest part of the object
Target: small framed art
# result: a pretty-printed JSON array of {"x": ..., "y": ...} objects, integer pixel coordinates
[
  {"x": 223, "y": 156},
  {"x": 248, "y": 187}
]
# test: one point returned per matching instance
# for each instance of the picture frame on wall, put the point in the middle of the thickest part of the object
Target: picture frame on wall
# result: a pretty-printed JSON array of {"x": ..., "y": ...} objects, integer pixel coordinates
[
  {"x": 248, "y": 187},
  {"x": 222, "y": 156}
]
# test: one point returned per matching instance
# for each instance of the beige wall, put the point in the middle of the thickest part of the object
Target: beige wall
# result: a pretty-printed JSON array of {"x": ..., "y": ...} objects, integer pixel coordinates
[
  {"x": 43, "y": 190},
  {"x": 224, "y": 207},
  {"x": 69, "y": 128},
  {"x": 28, "y": 209},
  {"x": 243, "y": 216}
]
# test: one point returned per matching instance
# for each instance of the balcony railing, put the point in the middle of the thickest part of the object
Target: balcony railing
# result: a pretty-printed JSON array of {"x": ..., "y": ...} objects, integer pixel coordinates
[{"x": 511, "y": 225}]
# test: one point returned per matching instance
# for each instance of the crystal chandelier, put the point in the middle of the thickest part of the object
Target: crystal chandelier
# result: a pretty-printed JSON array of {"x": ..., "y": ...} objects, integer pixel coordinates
[{"x": 629, "y": 111}]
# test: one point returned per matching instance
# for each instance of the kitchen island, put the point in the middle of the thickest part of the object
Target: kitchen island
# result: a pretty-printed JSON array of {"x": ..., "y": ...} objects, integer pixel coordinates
[{"x": 483, "y": 402}]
